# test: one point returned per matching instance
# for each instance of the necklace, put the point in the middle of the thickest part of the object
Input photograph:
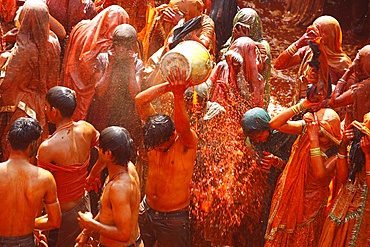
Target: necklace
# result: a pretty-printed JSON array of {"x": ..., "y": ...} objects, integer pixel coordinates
[{"x": 116, "y": 175}]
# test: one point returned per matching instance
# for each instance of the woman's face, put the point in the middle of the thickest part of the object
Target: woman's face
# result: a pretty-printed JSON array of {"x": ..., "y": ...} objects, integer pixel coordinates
[{"x": 259, "y": 137}]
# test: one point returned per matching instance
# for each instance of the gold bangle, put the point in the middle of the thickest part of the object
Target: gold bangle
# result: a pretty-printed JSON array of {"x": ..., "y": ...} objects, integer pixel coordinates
[
  {"x": 315, "y": 152},
  {"x": 367, "y": 173},
  {"x": 341, "y": 156},
  {"x": 342, "y": 81},
  {"x": 301, "y": 107},
  {"x": 292, "y": 49},
  {"x": 294, "y": 109}
]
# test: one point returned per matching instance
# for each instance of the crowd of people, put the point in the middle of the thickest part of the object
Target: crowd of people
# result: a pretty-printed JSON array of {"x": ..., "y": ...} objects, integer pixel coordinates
[{"x": 104, "y": 144}]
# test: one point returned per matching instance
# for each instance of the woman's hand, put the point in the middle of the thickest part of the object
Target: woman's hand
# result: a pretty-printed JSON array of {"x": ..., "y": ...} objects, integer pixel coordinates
[
  {"x": 307, "y": 36},
  {"x": 313, "y": 126}
]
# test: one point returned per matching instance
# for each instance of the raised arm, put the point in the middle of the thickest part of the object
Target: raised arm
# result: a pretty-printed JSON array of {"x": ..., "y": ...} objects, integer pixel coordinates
[
  {"x": 178, "y": 85},
  {"x": 282, "y": 121},
  {"x": 143, "y": 99}
]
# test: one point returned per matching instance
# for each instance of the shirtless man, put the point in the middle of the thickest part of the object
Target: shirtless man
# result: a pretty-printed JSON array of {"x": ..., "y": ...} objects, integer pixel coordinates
[
  {"x": 117, "y": 221},
  {"x": 171, "y": 148},
  {"x": 66, "y": 153},
  {"x": 25, "y": 188}
]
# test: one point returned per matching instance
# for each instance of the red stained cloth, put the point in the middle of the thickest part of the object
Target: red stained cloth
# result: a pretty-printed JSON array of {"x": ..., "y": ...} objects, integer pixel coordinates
[
  {"x": 86, "y": 41},
  {"x": 8, "y": 10},
  {"x": 33, "y": 66},
  {"x": 70, "y": 179}
]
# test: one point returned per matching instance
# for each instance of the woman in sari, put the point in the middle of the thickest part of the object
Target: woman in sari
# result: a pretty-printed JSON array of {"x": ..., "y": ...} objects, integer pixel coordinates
[
  {"x": 300, "y": 198},
  {"x": 327, "y": 30},
  {"x": 31, "y": 70},
  {"x": 87, "y": 40},
  {"x": 348, "y": 222}
]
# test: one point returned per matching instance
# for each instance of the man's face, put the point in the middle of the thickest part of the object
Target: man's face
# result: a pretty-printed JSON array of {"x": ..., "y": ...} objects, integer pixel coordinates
[{"x": 48, "y": 112}]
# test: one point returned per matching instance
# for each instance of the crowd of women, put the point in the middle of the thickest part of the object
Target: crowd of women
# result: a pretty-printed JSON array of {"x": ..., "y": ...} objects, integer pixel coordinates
[{"x": 298, "y": 178}]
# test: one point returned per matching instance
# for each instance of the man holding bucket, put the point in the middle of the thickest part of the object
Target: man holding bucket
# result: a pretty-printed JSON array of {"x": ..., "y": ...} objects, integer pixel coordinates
[{"x": 171, "y": 148}]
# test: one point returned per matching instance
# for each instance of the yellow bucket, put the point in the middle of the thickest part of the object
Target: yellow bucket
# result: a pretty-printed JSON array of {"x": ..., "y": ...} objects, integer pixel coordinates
[{"x": 190, "y": 56}]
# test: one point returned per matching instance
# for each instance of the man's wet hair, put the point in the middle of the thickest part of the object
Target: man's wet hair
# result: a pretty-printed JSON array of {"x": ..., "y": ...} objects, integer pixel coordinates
[
  {"x": 119, "y": 142},
  {"x": 158, "y": 129},
  {"x": 63, "y": 99},
  {"x": 23, "y": 132}
]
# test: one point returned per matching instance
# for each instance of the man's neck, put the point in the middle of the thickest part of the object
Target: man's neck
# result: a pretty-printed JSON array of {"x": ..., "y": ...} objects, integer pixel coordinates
[
  {"x": 19, "y": 155},
  {"x": 62, "y": 121}
]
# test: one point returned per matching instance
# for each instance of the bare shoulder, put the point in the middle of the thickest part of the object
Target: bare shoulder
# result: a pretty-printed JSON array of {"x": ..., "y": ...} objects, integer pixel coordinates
[
  {"x": 189, "y": 139},
  {"x": 46, "y": 149},
  {"x": 87, "y": 128},
  {"x": 45, "y": 175}
]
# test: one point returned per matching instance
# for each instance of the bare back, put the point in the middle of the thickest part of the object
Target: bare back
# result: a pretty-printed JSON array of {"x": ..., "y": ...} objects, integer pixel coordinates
[
  {"x": 24, "y": 188},
  {"x": 169, "y": 177},
  {"x": 120, "y": 206},
  {"x": 70, "y": 145}
]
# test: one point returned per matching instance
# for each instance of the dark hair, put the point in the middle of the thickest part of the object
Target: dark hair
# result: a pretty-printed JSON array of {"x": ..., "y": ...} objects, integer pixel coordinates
[
  {"x": 157, "y": 130},
  {"x": 63, "y": 99},
  {"x": 118, "y": 141},
  {"x": 23, "y": 132}
]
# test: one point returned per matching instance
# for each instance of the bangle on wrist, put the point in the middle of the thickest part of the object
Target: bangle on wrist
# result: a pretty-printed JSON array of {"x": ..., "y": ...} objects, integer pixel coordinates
[
  {"x": 344, "y": 82},
  {"x": 315, "y": 152},
  {"x": 292, "y": 49},
  {"x": 341, "y": 156},
  {"x": 367, "y": 173},
  {"x": 298, "y": 108}
]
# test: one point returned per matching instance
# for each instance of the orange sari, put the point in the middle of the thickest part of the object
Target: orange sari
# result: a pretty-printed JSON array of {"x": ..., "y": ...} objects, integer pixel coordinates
[{"x": 298, "y": 206}]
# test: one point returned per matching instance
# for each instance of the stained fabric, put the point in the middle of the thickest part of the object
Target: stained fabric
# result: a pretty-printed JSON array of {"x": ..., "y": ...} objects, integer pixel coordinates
[
  {"x": 71, "y": 179},
  {"x": 329, "y": 38},
  {"x": 249, "y": 17},
  {"x": 87, "y": 40},
  {"x": 190, "y": 8},
  {"x": 8, "y": 10},
  {"x": 348, "y": 222},
  {"x": 222, "y": 13},
  {"x": 299, "y": 201},
  {"x": 229, "y": 83},
  {"x": 328, "y": 29},
  {"x": 33, "y": 67},
  {"x": 70, "y": 12}
]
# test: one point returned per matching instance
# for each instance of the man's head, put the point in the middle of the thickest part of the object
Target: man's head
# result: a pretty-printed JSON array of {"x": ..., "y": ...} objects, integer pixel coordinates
[
  {"x": 62, "y": 99},
  {"x": 158, "y": 129},
  {"x": 24, "y": 132},
  {"x": 124, "y": 40},
  {"x": 255, "y": 124},
  {"x": 117, "y": 140}
]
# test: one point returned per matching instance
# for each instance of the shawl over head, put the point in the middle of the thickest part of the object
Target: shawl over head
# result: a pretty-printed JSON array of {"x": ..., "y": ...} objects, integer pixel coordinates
[
  {"x": 255, "y": 120},
  {"x": 190, "y": 8},
  {"x": 328, "y": 29},
  {"x": 248, "y": 17}
]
